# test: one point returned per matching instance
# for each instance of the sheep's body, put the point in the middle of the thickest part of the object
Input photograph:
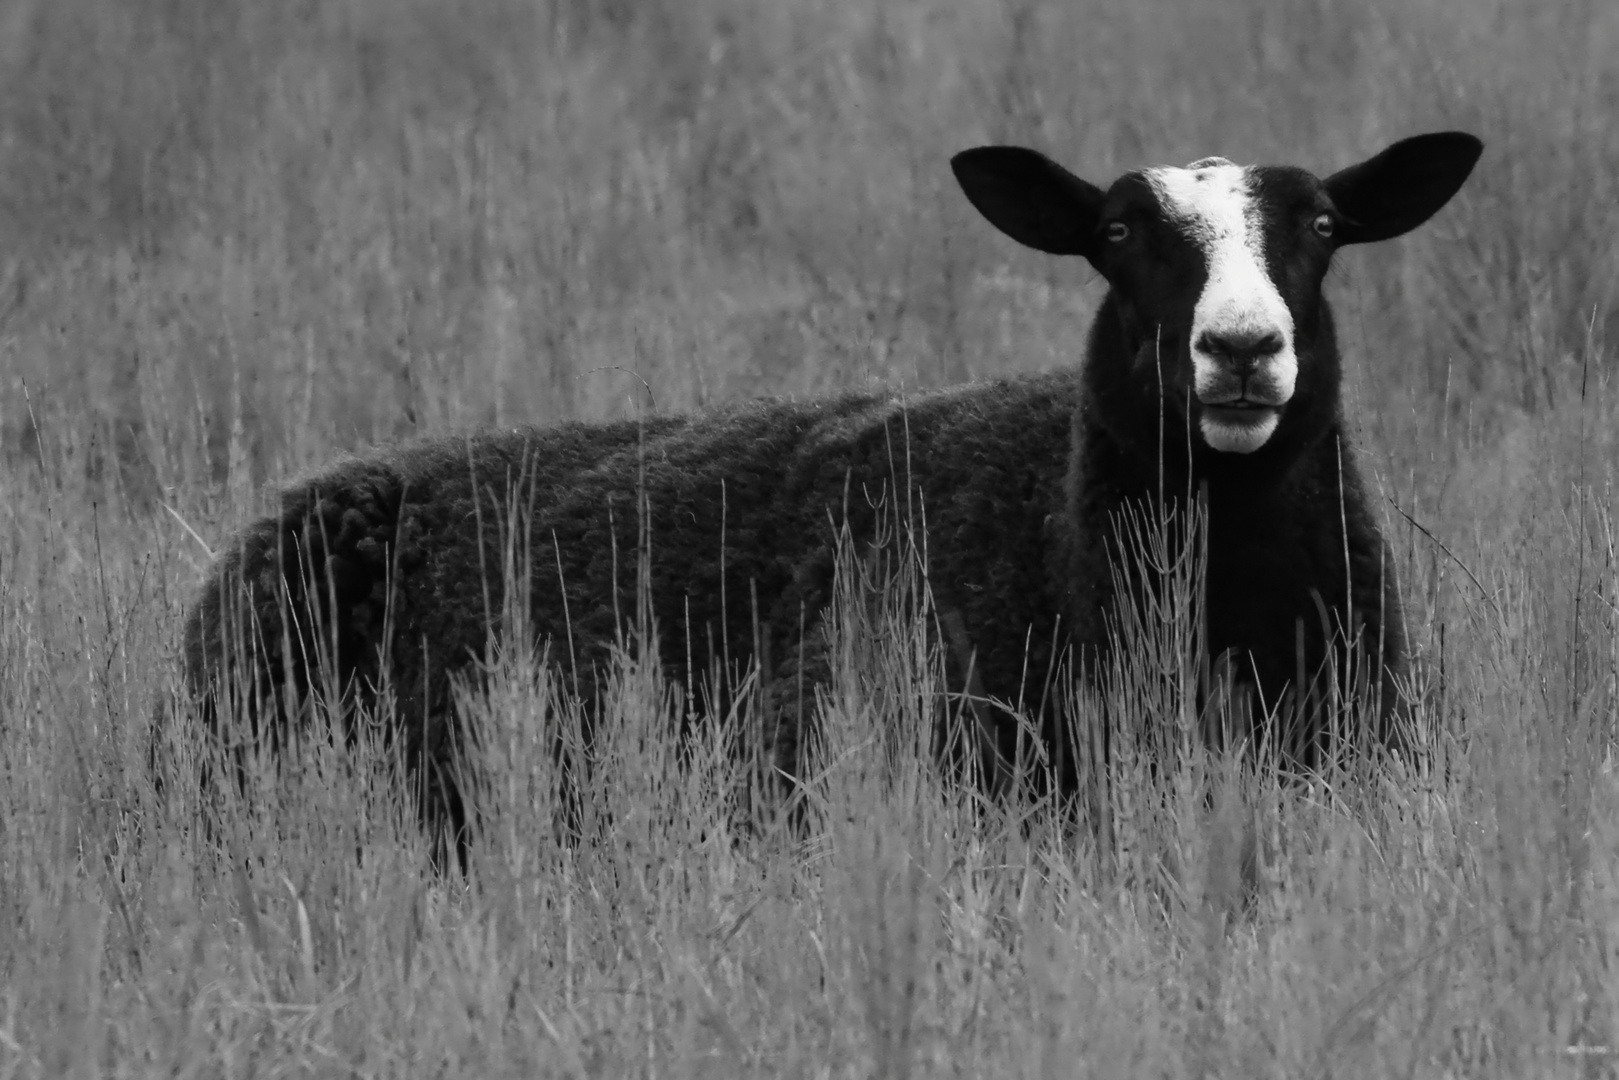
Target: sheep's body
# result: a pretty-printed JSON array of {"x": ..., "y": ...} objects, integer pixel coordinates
[
  {"x": 1212, "y": 372},
  {"x": 750, "y": 494}
]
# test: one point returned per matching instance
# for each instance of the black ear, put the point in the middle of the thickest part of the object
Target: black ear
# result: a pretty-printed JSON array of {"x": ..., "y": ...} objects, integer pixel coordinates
[
  {"x": 1031, "y": 198},
  {"x": 1402, "y": 187}
]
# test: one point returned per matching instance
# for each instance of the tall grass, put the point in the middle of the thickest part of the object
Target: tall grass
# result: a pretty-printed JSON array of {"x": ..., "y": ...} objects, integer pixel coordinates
[{"x": 242, "y": 238}]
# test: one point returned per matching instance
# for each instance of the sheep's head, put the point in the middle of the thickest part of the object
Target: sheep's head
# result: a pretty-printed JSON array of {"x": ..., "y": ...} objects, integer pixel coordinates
[{"x": 1216, "y": 268}]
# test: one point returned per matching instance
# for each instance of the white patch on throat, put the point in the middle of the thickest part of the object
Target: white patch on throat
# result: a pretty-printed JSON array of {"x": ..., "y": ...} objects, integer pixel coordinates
[{"x": 1212, "y": 202}]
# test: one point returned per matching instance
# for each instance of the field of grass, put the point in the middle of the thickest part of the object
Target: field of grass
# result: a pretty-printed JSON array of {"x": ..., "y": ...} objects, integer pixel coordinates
[{"x": 242, "y": 238}]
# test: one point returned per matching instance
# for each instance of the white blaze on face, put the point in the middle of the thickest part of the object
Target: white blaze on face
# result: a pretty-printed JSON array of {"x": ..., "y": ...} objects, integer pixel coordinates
[{"x": 1213, "y": 204}]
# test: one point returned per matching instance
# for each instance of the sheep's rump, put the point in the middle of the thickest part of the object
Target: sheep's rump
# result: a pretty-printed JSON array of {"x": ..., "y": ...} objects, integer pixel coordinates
[{"x": 388, "y": 574}]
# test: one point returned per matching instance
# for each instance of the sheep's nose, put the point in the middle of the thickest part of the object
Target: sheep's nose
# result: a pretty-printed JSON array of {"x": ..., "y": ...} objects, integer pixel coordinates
[{"x": 1241, "y": 350}]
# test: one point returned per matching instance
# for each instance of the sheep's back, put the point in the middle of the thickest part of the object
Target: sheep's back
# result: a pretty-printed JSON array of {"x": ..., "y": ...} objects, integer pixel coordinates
[{"x": 402, "y": 559}]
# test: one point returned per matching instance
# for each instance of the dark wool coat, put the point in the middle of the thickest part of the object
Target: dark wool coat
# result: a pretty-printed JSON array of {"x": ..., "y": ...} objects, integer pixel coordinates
[{"x": 1019, "y": 481}]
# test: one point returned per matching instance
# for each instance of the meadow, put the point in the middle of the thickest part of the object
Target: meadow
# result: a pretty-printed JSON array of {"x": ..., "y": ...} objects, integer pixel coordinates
[{"x": 243, "y": 238}]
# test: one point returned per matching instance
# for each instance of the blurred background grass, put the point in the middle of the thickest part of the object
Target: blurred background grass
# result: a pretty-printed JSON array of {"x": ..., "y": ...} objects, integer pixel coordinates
[
  {"x": 242, "y": 237},
  {"x": 324, "y": 225}
]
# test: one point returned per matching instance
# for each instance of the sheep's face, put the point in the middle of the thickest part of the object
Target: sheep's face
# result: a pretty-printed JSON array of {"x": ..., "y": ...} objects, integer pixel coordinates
[{"x": 1216, "y": 268}]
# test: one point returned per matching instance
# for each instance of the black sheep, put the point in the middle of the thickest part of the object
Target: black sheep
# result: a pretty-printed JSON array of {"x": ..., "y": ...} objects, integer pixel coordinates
[{"x": 1212, "y": 368}]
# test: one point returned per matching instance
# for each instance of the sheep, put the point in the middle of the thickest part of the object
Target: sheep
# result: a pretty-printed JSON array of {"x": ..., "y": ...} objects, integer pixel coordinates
[{"x": 1211, "y": 372}]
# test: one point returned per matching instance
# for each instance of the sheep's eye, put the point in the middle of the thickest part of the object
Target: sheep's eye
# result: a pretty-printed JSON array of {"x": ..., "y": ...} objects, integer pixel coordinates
[
  {"x": 1116, "y": 231},
  {"x": 1322, "y": 224}
]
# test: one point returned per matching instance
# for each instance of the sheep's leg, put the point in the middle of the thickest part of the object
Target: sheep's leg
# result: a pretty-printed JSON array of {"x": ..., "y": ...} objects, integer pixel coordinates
[{"x": 993, "y": 769}]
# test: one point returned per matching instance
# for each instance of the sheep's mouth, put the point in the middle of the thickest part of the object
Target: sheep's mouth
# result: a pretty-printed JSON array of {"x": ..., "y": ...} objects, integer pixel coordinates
[
  {"x": 1238, "y": 427},
  {"x": 1241, "y": 412}
]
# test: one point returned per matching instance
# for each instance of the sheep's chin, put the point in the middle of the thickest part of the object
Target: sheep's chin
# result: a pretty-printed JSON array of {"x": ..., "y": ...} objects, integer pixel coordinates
[{"x": 1239, "y": 436}]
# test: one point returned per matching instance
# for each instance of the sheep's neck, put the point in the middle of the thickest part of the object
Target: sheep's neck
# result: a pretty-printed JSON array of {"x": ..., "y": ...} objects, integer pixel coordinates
[{"x": 1263, "y": 544}]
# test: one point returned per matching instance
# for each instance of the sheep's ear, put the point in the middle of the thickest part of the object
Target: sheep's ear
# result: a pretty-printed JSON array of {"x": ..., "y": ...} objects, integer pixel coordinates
[
  {"x": 1402, "y": 187},
  {"x": 1031, "y": 198}
]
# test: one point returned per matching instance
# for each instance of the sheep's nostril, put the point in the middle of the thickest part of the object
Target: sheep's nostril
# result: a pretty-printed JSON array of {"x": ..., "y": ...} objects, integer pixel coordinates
[{"x": 1243, "y": 350}]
